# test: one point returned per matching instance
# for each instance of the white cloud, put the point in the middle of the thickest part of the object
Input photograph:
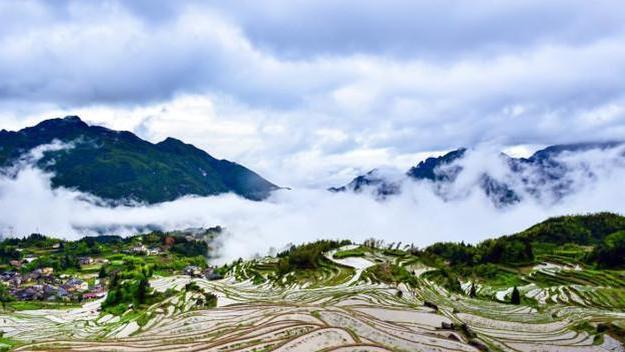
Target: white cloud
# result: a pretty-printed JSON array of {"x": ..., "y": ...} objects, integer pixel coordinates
[
  {"x": 265, "y": 86},
  {"x": 416, "y": 216}
]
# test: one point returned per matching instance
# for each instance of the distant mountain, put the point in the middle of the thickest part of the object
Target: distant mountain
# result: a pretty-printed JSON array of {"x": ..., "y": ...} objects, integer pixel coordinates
[
  {"x": 542, "y": 175},
  {"x": 381, "y": 181},
  {"x": 118, "y": 165}
]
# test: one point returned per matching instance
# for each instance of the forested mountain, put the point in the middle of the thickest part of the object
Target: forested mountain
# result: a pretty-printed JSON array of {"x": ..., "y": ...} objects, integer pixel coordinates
[
  {"x": 547, "y": 174},
  {"x": 118, "y": 165}
]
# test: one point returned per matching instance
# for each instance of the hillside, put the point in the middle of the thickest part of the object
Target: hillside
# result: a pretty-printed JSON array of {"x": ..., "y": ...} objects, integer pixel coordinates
[
  {"x": 544, "y": 292},
  {"x": 118, "y": 165},
  {"x": 545, "y": 175}
]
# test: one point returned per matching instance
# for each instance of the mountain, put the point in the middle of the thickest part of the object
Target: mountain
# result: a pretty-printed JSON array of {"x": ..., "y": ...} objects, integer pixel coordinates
[
  {"x": 118, "y": 165},
  {"x": 384, "y": 183},
  {"x": 544, "y": 175}
]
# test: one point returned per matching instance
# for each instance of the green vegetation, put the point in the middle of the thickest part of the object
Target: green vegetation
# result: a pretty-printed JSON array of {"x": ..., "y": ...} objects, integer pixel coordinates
[
  {"x": 575, "y": 295},
  {"x": 56, "y": 274},
  {"x": 356, "y": 252},
  {"x": 307, "y": 256},
  {"x": 34, "y": 305},
  {"x": 7, "y": 344},
  {"x": 130, "y": 286},
  {"x": 446, "y": 278},
  {"x": 583, "y": 230},
  {"x": 478, "y": 271},
  {"x": 119, "y": 165},
  {"x": 5, "y": 296},
  {"x": 299, "y": 264},
  {"x": 210, "y": 299},
  {"x": 596, "y": 241},
  {"x": 389, "y": 274},
  {"x": 610, "y": 252}
]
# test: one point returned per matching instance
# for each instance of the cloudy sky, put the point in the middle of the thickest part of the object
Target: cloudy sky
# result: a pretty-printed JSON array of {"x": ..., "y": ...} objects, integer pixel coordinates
[{"x": 311, "y": 93}]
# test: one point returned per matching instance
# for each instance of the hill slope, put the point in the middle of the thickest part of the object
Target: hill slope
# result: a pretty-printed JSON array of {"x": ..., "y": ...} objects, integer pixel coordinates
[
  {"x": 545, "y": 175},
  {"x": 325, "y": 295},
  {"x": 118, "y": 165}
]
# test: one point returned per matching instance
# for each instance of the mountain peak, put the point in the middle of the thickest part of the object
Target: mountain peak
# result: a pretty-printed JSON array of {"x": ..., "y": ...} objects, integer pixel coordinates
[
  {"x": 549, "y": 174},
  {"x": 427, "y": 168},
  {"x": 72, "y": 118},
  {"x": 67, "y": 120},
  {"x": 118, "y": 165},
  {"x": 574, "y": 147},
  {"x": 172, "y": 142},
  {"x": 59, "y": 122}
]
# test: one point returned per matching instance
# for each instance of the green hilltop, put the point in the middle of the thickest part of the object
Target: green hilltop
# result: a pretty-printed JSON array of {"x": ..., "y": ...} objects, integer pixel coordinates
[
  {"x": 556, "y": 285},
  {"x": 118, "y": 165}
]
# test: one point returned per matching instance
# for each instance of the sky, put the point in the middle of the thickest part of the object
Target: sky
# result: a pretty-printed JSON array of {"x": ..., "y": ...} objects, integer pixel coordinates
[{"x": 312, "y": 93}]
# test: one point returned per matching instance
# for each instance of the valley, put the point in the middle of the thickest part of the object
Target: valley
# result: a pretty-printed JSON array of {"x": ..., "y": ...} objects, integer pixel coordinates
[{"x": 339, "y": 296}]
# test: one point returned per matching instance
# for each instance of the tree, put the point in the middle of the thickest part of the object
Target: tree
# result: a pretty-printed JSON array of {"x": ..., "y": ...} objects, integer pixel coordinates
[
  {"x": 473, "y": 290},
  {"x": 142, "y": 290},
  {"x": 609, "y": 253},
  {"x": 5, "y": 296},
  {"x": 515, "y": 298},
  {"x": 102, "y": 272}
]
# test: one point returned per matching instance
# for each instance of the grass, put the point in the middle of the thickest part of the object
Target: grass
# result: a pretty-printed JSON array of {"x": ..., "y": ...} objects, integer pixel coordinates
[
  {"x": 388, "y": 273},
  {"x": 498, "y": 276},
  {"x": 33, "y": 305},
  {"x": 355, "y": 252},
  {"x": 7, "y": 344}
]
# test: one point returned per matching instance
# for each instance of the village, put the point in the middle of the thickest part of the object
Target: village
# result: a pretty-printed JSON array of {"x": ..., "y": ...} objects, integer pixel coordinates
[
  {"x": 27, "y": 277},
  {"x": 43, "y": 284}
]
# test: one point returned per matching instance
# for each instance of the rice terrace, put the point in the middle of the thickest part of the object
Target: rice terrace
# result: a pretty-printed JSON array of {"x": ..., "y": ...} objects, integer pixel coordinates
[
  {"x": 338, "y": 296},
  {"x": 312, "y": 175}
]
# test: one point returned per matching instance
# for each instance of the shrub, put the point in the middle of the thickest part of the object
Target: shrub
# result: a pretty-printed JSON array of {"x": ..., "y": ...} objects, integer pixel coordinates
[{"x": 515, "y": 297}]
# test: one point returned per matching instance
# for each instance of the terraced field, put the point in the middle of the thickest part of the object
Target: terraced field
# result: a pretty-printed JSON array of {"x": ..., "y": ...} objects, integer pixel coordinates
[{"x": 348, "y": 304}]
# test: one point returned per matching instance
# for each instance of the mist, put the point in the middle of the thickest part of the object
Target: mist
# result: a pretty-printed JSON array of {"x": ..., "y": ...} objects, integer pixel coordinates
[{"x": 418, "y": 215}]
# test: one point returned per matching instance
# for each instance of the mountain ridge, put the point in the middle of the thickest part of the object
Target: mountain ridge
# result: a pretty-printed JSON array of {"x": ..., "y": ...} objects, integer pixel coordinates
[
  {"x": 119, "y": 166},
  {"x": 443, "y": 170}
]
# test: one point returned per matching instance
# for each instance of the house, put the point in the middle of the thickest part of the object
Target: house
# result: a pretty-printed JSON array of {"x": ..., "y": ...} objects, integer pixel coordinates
[
  {"x": 154, "y": 251},
  {"x": 142, "y": 249},
  {"x": 50, "y": 291},
  {"x": 85, "y": 260},
  {"x": 35, "y": 274},
  {"x": 47, "y": 271},
  {"x": 74, "y": 285},
  {"x": 30, "y": 258},
  {"x": 62, "y": 292},
  {"x": 15, "y": 281},
  {"x": 8, "y": 275},
  {"x": 192, "y": 270},
  {"x": 213, "y": 276},
  {"x": 94, "y": 295},
  {"x": 15, "y": 263},
  {"x": 31, "y": 293},
  {"x": 210, "y": 274},
  {"x": 102, "y": 261}
]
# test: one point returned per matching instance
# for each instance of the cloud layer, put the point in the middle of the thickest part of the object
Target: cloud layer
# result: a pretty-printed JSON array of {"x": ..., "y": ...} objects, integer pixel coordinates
[
  {"x": 312, "y": 93},
  {"x": 418, "y": 215}
]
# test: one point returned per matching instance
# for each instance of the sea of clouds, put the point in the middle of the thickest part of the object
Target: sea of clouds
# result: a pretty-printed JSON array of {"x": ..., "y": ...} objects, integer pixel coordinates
[{"x": 419, "y": 215}]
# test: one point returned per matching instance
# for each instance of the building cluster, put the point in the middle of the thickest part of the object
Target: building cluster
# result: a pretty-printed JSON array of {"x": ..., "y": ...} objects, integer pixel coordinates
[
  {"x": 43, "y": 285},
  {"x": 144, "y": 250},
  {"x": 195, "y": 271}
]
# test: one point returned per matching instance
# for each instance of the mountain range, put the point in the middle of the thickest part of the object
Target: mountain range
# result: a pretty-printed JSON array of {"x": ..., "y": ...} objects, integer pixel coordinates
[
  {"x": 545, "y": 175},
  {"x": 119, "y": 166}
]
